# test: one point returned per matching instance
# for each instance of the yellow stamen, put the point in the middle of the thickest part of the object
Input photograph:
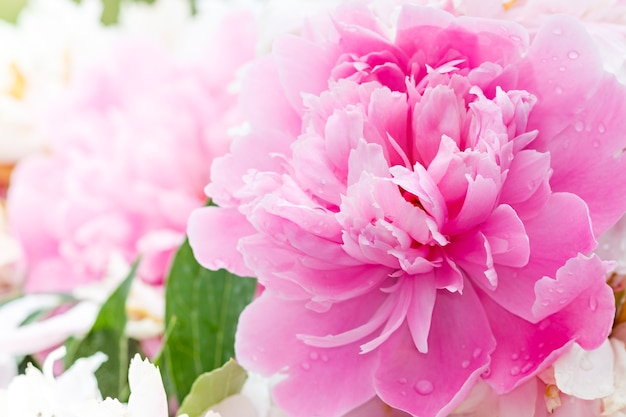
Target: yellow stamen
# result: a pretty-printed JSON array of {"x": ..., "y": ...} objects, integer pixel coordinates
[
  {"x": 18, "y": 87},
  {"x": 507, "y": 5},
  {"x": 5, "y": 175},
  {"x": 138, "y": 313},
  {"x": 552, "y": 397}
]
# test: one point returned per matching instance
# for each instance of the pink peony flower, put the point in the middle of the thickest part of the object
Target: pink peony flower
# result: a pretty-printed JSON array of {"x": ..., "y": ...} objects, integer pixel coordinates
[
  {"x": 132, "y": 145},
  {"x": 420, "y": 202}
]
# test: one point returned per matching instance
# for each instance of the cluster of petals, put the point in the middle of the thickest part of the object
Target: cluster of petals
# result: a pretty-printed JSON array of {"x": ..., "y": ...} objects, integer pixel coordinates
[
  {"x": 76, "y": 393},
  {"x": 131, "y": 143},
  {"x": 420, "y": 202}
]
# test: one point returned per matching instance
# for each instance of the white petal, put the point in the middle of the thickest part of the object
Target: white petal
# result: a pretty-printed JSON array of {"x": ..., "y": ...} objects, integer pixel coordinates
[{"x": 586, "y": 374}]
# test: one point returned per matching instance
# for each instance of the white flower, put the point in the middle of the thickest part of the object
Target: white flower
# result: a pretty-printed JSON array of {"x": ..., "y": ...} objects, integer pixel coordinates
[
  {"x": 254, "y": 400},
  {"x": 75, "y": 393},
  {"x": 50, "y": 41}
]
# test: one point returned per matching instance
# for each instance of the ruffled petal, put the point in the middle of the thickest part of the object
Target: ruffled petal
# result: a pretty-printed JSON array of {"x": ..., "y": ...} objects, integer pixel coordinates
[
  {"x": 434, "y": 383},
  {"x": 340, "y": 375}
]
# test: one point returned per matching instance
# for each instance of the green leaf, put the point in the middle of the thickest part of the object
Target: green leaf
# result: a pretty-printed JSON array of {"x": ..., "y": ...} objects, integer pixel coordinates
[
  {"x": 107, "y": 336},
  {"x": 212, "y": 387},
  {"x": 10, "y": 9},
  {"x": 202, "y": 309}
]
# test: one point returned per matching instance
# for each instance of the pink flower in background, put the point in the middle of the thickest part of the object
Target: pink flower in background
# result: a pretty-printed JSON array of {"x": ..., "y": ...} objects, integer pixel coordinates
[
  {"x": 420, "y": 204},
  {"x": 132, "y": 144}
]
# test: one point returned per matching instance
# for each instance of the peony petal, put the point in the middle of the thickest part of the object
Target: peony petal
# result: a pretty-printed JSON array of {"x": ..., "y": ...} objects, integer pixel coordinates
[
  {"x": 563, "y": 214},
  {"x": 340, "y": 375},
  {"x": 585, "y": 141},
  {"x": 587, "y": 375},
  {"x": 215, "y": 254},
  {"x": 433, "y": 384}
]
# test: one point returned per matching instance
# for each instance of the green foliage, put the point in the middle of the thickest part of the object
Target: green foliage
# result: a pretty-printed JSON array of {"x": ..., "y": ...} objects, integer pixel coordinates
[
  {"x": 202, "y": 309},
  {"x": 212, "y": 387},
  {"x": 9, "y": 9},
  {"x": 107, "y": 336}
]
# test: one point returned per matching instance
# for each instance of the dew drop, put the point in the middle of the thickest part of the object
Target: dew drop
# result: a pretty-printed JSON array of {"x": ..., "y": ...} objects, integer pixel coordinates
[
  {"x": 324, "y": 358},
  {"x": 579, "y": 126},
  {"x": 305, "y": 366},
  {"x": 545, "y": 303},
  {"x": 562, "y": 68},
  {"x": 560, "y": 290},
  {"x": 526, "y": 357},
  {"x": 593, "y": 303},
  {"x": 601, "y": 128},
  {"x": 314, "y": 356},
  {"x": 543, "y": 325},
  {"x": 477, "y": 353},
  {"x": 402, "y": 381},
  {"x": 515, "y": 356},
  {"x": 573, "y": 55},
  {"x": 465, "y": 364},
  {"x": 515, "y": 38},
  {"x": 558, "y": 89},
  {"x": 486, "y": 373},
  {"x": 585, "y": 364},
  {"x": 403, "y": 393},
  {"x": 557, "y": 31},
  {"x": 527, "y": 367},
  {"x": 515, "y": 370},
  {"x": 424, "y": 387},
  {"x": 563, "y": 301},
  {"x": 540, "y": 345},
  {"x": 595, "y": 144}
]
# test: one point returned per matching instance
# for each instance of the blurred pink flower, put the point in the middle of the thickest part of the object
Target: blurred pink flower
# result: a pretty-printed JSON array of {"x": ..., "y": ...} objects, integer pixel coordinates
[
  {"x": 132, "y": 145},
  {"x": 420, "y": 203}
]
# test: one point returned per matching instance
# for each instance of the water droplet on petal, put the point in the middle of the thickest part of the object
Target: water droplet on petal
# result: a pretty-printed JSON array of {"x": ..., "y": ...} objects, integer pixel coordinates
[
  {"x": 324, "y": 358},
  {"x": 477, "y": 353},
  {"x": 593, "y": 303},
  {"x": 601, "y": 128},
  {"x": 465, "y": 364},
  {"x": 402, "y": 381},
  {"x": 424, "y": 387},
  {"x": 527, "y": 367},
  {"x": 558, "y": 89},
  {"x": 314, "y": 356},
  {"x": 515, "y": 356},
  {"x": 403, "y": 393},
  {"x": 515, "y": 370},
  {"x": 562, "y": 68},
  {"x": 305, "y": 366},
  {"x": 585, "y": 364},
  {"x": 560, "y": 290},
  {"x": 515, "y": 38},
  {"x": 557, "y": 31},
  {"x": 543, "y": 325},
  {"x": 595, "y": 144},
  {"x": 579, "y": 126},
  {"x": 573, "y": 55}
]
